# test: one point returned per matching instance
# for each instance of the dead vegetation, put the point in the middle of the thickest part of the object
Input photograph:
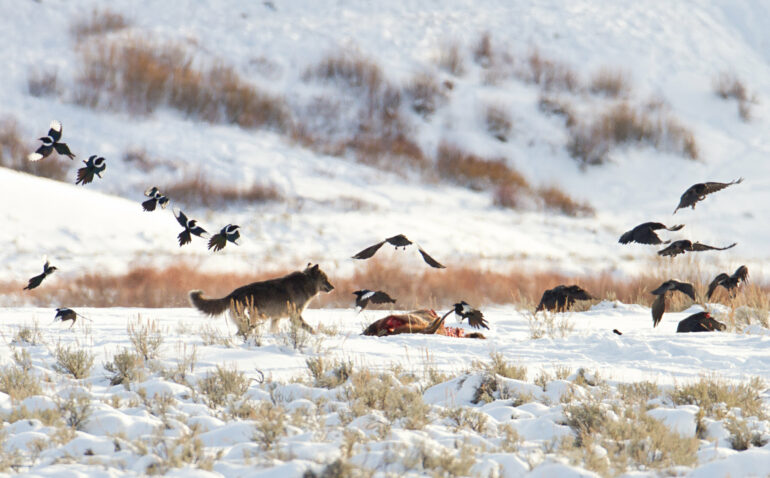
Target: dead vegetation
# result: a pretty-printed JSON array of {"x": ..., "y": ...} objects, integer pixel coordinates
[
  {"x": 197, "y": 190},
  {"x": 728, "y": 86},
  {"x": 146, "y": 286},
  {"x": 510, "y": 188},
  {"x": 139, "y": 75},
  {"x": 621, "y": 124},
  {"x": 100, "y": 22}
]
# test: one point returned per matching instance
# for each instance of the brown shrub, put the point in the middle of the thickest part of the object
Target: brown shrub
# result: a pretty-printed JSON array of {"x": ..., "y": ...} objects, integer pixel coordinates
[
  {"x": 168, "y": 287},
  {"x": 42, "y": 83},
  {"x": 498, "y": 122},
  {"x": 728, "y": 86},
  {"x": 621, "y": 124},
  {"x": 558, "y": 107},
  {"x": 483, "y": 53},
  {"x": 198, "y": 191},
  {"x": 425, "y": 94},
  {"x": 549, "y": 74},
  {"x": 557, "y": 200},
  {"x": 371, "y": 128},
  {"x": 611, "y": 83},
  {"x": 451, "y": 59},
  {"x": 474, "y": 172},
  {"x": 142, "y": 286},
  {"x": 14, "y": 151},
  {"x": 140, "y": 75},
  {"x": 99, "y": 23}
]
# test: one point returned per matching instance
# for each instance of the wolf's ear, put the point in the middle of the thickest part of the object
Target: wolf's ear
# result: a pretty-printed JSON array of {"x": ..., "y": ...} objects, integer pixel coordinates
[
  {"x": 314, "y": 268},
  {"x": 307, "y": 267}
]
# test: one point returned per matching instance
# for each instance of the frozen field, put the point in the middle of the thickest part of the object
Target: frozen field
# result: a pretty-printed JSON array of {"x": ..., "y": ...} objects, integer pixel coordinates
[{"x": 151, "y": 423}]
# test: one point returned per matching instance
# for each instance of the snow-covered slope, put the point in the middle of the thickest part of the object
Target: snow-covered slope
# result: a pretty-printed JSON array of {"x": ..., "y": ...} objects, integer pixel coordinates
[{"x": 671, "y": 52}]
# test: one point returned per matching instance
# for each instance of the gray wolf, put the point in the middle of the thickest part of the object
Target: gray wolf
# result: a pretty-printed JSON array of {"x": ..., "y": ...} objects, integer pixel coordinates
[{"x": 272, "y": 299}]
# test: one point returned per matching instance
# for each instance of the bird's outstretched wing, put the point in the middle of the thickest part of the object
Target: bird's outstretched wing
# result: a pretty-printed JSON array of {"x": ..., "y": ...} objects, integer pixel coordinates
[
  {"x": 369, "y": 251},
  {"x": 150, "y": 192},
  {"x": 85, "y": 175},
  {"x": 184, "y": 237},
  {"x": 55, "y": 130},
  {"x": 429, "y": 260},
  {"x": 40, "y": 153},
  {"x": 712, "y": 187},
  {"x": 658, "y": 307},
  {"x": 684, "y": 288},
  {"x": 704, "y": 247},
  {"x": 181, "y": 218},
  {"x": 380, "y": 297},
  {"x": 741, "y": 273},
  {"x": 63, "y": 149},
  {"x": 718, "y": 280},
  {"x": 149, "y": 205},
  {"x": 476, "y": 319},
  {"x": 217, "y": 242}
]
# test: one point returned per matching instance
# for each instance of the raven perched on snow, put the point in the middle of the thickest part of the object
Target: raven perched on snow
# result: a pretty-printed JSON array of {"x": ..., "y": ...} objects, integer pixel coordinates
[
  {"x": 645, "y": 233},
  {"x": 698, "y": 192},
  {"x": 700, "y": 322}
]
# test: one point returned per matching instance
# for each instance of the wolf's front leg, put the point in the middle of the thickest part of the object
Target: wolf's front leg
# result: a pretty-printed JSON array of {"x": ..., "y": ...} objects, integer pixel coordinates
[{"x": 304, "y": 324}]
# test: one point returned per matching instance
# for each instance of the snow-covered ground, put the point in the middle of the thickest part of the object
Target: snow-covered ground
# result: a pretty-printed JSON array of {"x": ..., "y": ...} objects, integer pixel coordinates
[
  {"x": 670, "y": 53},
  {"x": 118, "y": 416}
]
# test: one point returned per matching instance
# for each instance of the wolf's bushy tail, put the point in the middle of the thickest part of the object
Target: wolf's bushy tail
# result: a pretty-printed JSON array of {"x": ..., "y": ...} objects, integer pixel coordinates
[{"x": 210, "y": 307}]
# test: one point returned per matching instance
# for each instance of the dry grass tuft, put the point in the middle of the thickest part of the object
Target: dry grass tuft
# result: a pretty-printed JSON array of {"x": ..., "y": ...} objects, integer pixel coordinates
[
  {"x": 555, "y": 199},
  {"x": 474, "y": 172},
  {"x": 365, "y": 122},
  {"x": 14, "y": 151},
  {"x": 73, "y": 360},
  {"x": 611, "y": 83},
  {"x": 622, "y": 124},
  {"x": 451, "y": 59},
  {"x": 728, "y": 86},
  {"x": 553, "y": 105},
  {"x": 716, "y": 396},
  {"x": 367, "y": 390},
  {"x": 498, "y": 122},
  {"x": 140, "y": 75},
  {"x": 551, "y": 75},
  {"x": 100, "y": 22},
  {"x": 199, "y": 191},
  {"x": 425, "y": 94},
  {"x": 42, "y": 83}
]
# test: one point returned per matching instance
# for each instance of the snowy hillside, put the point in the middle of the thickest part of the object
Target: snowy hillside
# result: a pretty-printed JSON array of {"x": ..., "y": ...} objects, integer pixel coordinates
[{"x": 332, "y": 206}]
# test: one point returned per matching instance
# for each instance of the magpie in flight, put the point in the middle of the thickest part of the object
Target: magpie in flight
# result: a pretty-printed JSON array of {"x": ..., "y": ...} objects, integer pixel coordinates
[
  {"x": 156, "y": 199},
  {"x": 364, "y": 296},
  {"x": 659, "y": 304},
  {"x": 645, "y": 233},
  {"x": 230, "y": 232},
  {"x": 51, "y": 143},
  {"x": 48, "y": 269},
  {"x": 191, "y": 228},
  {"x": 94, "y": 165}
]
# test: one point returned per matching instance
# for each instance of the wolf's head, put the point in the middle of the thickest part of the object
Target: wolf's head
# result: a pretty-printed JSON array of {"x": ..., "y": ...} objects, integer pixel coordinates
[{"x": 319, "y": 278}]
